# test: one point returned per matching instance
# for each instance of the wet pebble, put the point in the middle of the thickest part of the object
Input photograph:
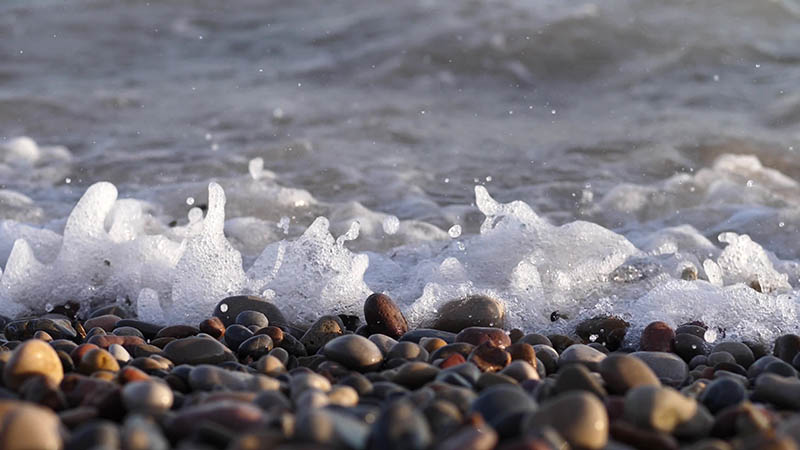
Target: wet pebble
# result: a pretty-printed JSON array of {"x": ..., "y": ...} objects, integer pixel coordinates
[
  {"x": 581, "y": 354},
  {"x": 384, "y": 317},
  {"x": 489, "y": 358},
  {"x": 609, "y": 331},
  {"x": 722, "y": 393},
  {"x": 472, "y": 311},
  {"x": 354, "y": 351},
  {"x": 197, "y": 350},
  {"x": 32, "y": 358},
  {"x": 230, "y": 307},
  {"x": 657, "y": 337},
  {"x": 624, "y": 372},
  {"x": 658, "y": 408},
  {"x": 668, "y": 367},
  {"x": 478, "y": 335},
  {"x": 579, "y": 417},
  {"x": 149, "y": 397},
  {"x": 740, "y": 352},
  {"x": 326, "y": 328}
]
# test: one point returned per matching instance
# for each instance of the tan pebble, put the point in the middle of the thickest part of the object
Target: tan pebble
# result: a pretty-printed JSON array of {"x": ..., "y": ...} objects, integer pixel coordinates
[
  {"x": 344, "y": 396},
  {"x": 32, "y": 358},
  {"x": 97, "y": 359},
  {"x": 29, "y": 427},
  {"x": 270, "y": 365}
]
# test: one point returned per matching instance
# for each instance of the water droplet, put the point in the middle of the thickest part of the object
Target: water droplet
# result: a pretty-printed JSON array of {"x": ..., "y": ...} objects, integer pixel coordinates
[
  {"x": 223, "y": 307},
  {"x": 190, "y": 201},
  {"x": 710, "y": 335},
  {"x": 454, "y": 231},
  {"x": 391, "y": 224},
  {"x": 593, "y": 337},
  {"x": 750, "y": 183},
  {"x": 48, "y": 307},
  {"x": 781, "y": 224},
  {"x": 283, "y": 224}
]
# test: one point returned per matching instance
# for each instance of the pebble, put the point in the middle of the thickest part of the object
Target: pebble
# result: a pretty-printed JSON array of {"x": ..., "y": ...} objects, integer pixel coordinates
[
  {"x": 254, "y": 348},
  {"x": 197, "y": 350},
  {"x": 576, "y": 377},
  {"x": 97, "y": 359},
  {"x": 581, "y": 354},
  {"x": 496, "y": 337},
  {"x": 608, "y": 331},
  {"x": 717, "y": 357},
  {"x": 384, "y": 317},
  {"x": 520, "y": 371},
  {"x": 658, "y": 408},
  {"x": 741, "y": 352},
  {"x": 787, "y": 347},
  {"x": 780, "y": 391},
  {"x": 408, "y": 351},
  {"x": 384, "y": 343},
  {"x": 624, "y": 372},
  {"x": 579, "y": 417},
  {"x": 692, "y": 329},
  {"x": 415, "y": 374},
  {"x": 28, "y": 427},
  {"x": 231, "y": 415},
  {"x": 489, "y": 358},
  {"x": 32, "y": 358},
  {"x": 327, "y": 428},
  {"x": 722, "y": 393},
  {"x": 668, "y": 367},
  {"x": 228, "y": 308},
  {"x": 400, "y": 426},
  {"x": 500, "y": 401},
  {"x": 107, "y": 322},
  {"x": 354, "y": 352},
  {"x": 536, "y": 339},
  {"x": 236, "y": 334},
  {"x": 687, "y": 346},
  {"x": 252, "y": 318},
  {"x": 657, "y": 337},
  {"x": 323, "y": 330},
  {"x": 149, "y": 397},
  {"x": 119, "y": 353},
  {"x": 213, "y": 327},
  {"x": 548, "y": 356},
  {"x": 472, "y": 311},
  {"x": 177, "y": 331},
  {"x": 560, "y": 342}
]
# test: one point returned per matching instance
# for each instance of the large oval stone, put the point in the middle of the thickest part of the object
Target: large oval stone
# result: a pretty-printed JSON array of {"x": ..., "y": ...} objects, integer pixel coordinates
[
  {"x": 579, "y": 417},
  {"x": 354, "y": 352},
  {"x": 197, "y": 350},
  {"x": 230, "y": 307},
  {"x": 384, "y": 317},
  {"x": 472, "y": 311},
  {"x": 32, "y": 358}
]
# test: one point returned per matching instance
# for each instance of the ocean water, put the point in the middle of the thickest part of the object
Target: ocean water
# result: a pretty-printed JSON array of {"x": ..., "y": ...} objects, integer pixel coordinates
[{"x": 586, "y": 158}]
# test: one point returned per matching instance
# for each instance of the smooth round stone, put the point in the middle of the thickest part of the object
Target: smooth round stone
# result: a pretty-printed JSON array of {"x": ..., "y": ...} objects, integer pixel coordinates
[
  {"x": 548, "y": 356},
  {"x": 197, "y": 350},
  {"x": 787, "y": 347},
  {"x": 234, "y": 416},
  {"x": 415, "y": 374},
  {"x": 325, "y": 329},
  {"x": 408, "y": 351},
  {"x": 741, "y": 352},
  {"x": 478, "y": 335},
  {"x": 255, "y": 347},
  {"x": 28, "y": 427},
  {"x": 722, "y": 393},
  {"x": 141, "y": 434},
  {"x": 248, "y": 318},
  {"x": 462, "y": 348},
  {"x": 783, "y": 392},
  {"x": 177, "y": 331},
  {"x": 416, "y": 334},
  {"x": 608, "y": 331},
  {"x": 119, "y": 353},
  {"x": 520, "y": 371},
  {"x": 359, "y": 382},
  {"x": 497, "y": 402},
  {"x": 96, "y": 360},
  {"x": 693, "y": 329},
  {"x": 384, "y": 343},
  {"x": 114, "y": 309},
  {"x": 228, "y": 308},
  {"x": 781, "y": 368},
  {"x": 758, "y": 367},
  {"x": 687, "y": 346},
  {"x": 236, "y": 334},
  {"x": 344, "y": 396},
  {"x": 489, "y": 358},
  {"x": 658, "y": 408},
  {"x": 384, "y": 317},
  {"x": 32, "y": 358},
  {"x": 400, "y": 426},
  {"x": 581, "y": 354},
  {"x": 472, "y": 311},
  {"x": 327, "y": 428},
  {"x": 97, "y": 434},
  {"x": 624, "y": 372},
  {"x": 431, "y": 344},
  {"x": 270, "y": 365},
  {"x": 561, "y": 342},
  {"x": 213, "y": 327},
  {"x": 699, "y": 360},
  {"x": 443, "y": 416},
  {"x": 579, "y": 417},
  {"x": 522, "y": 351},
  {"x": 536, "y": 339},
  {"x": 576, "y": 377},
  {"x": 354, "y": 352},
  {"x": 305, "y": 381},
  {"x": 106, "y": 322},
  {"x": 657, "y": 337},
  {"x": 149, "y": 397},
  {"x": 717, "y": 357},
  {"x": 127, "y": 331},
  {"x": 668, "y": 367},
  {"x": 210, "y": 378}
]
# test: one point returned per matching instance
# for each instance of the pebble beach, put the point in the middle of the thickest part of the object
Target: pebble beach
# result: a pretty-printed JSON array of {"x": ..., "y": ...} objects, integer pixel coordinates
[{"x": 246, "y": 379}]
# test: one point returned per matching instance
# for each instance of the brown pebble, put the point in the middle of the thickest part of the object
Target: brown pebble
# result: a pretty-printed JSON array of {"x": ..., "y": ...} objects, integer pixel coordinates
[
  {"x": 478, "y": 335},
  {"x": 28, "y": 427},
  {"x": 523, "y": 352},
  {"x": 43, "y": 336},
  {"x": 384, "y": 317},
  {"x": 213, "y": 327},
  {"x": 97, "y": 359},
  {"x": 129, "y": 374},
  {"x": 431, "y": 344},
  {"x": 657, "y": 337},
  {"x": 489, "y": 358},
  {"x": 472, "y": 311},
  {"x": 177, "y": 331},
  {"x": 107, "y": 322},
  {"x": 275, "y": 333},
  {"x": 452, "y": 360}
]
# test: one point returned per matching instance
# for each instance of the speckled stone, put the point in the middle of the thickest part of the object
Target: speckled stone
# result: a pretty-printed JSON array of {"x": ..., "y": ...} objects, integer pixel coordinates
[
  {"x": 32, "y": 358},
  {"x": 323, "y": 330}
]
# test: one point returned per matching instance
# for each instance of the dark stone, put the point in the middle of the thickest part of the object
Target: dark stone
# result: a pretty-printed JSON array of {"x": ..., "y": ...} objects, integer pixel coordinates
[
  {"x": 97, "y": 434},
  {"x": 609, "y": 331},
  {"x": 576, "y": 377},
  {"x": 177, "y": 331},
  {"x": 692, "y": 329},
  {"x": 561, "y": 342},
  {"x": 236, "y": 334},
  {"x": 213, "y": 327},
  {"x": 741, "y": 352},
  {"x": 351, "y": 322},
  {"x": 536, "y": 339},
  {"x": 722, "y": 393},
  {"x": 657, "y": 337},
  {"x": 419, "y": 333},
  {"x": 384, "y": 317},
  {"x": 495, "y": 337},
  {"x": 148, "y": 330},
  {"x": 354, "y": 352},
  {"x": 254, "y": 348},
  {"x": 787, "y": 347},
  {"x": 232, "y": 306},
  {"x": 127, "y": 331},
  {"x": 496, "y": 402},
  {"x": 110, "y": 309},
  {"x": 400, "y": 426},
  {"x": 687, "y": 346},
  {"x": 472, "y": 311},
  {"x": 197, "y": 350},
  {"x": 489, "y": 358}
]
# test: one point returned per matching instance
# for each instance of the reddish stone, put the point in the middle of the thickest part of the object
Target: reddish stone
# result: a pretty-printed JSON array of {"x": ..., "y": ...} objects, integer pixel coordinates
[
  {"x": 452, "y": 360},
  {"x": 657, "y": 337},
  {"x": 489, "y": 358},
  {"x": 479, "y": 335},
  {"x": 384, "y": 317}
]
